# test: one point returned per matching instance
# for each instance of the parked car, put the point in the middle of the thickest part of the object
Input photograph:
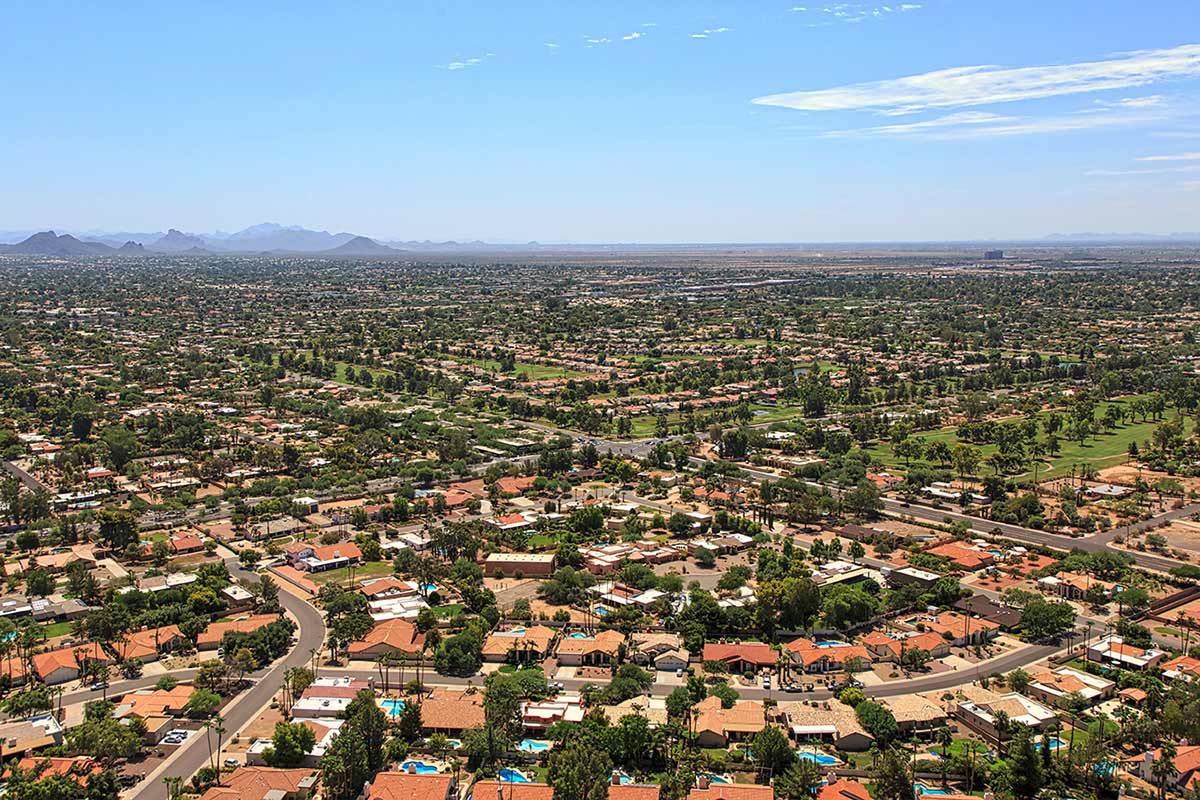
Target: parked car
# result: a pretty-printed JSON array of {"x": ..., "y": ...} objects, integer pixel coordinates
[{"x": 232, "y": 762}]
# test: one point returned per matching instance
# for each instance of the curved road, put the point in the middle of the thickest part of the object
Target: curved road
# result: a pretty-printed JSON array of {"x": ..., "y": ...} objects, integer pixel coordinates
[{"x": 193, "y": 754}]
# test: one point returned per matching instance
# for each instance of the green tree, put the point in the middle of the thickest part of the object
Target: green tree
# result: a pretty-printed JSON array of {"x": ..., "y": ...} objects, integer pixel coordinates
[
  {"x": 580, "y": 771},
  {"x": 290, "y": 744},
  {"x": 893, "y": 780},
  {"x": 800, "y": 781},
  {"x": 772, "y": 750}
]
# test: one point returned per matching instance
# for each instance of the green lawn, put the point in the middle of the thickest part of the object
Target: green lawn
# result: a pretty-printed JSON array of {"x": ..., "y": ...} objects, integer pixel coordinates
[
  {"x": 447, "y": 611},
  {"x": 536, "y": 372},
  {"x": 56, "y": 629},
  {"x": 1102, "y": 450},
  {"x": 362, "y": 572},
  {"x": 644, "y": 427}
]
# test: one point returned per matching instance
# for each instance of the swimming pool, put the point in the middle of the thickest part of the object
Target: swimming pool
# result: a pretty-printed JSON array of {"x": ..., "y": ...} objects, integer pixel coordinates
[
  {"x": 1055, "y": 743},
  {"x": 714, "y": 777},
  {"x": 921, "y": 788},
  {"x": 512, "y": 776},
  {"x": 580, "y": 636},
  {"x": 830, "y": 643},
  {"x": 533, "y": 746},
  {"x": 420, "y": 767},
  {"x": 819, "y": 758},
  {"x": 392, "y": 706}
]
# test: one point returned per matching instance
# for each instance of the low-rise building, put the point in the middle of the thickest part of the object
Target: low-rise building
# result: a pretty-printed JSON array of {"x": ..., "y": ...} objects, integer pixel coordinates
[{"x": 1113, "y": 651}]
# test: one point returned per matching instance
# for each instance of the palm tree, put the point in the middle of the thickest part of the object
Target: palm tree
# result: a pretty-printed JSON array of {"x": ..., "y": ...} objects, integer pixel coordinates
[{"x": 945, "y": 738}]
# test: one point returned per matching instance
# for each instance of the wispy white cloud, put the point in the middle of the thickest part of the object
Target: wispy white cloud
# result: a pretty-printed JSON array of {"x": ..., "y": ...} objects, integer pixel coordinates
[
  {"x": 707, "y": 32},
  {"x": 980, "y": 125},
  {"x": 466, "y": 63},
  {"x": 1164, "y": 171},
  {"x": 629, "y": 37},
  {"x": 985, "y": 84},
  {"x": 1171, "y": 157},
  {"x": 551, "y": 45},
  {"x": 855, "y": 12},
  {"x": 592, "y": 41},
  {"x": 649, "y": 24}
]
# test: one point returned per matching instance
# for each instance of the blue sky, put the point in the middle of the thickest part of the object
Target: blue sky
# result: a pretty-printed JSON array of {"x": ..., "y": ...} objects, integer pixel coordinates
[{"x": 617, "y": 121}]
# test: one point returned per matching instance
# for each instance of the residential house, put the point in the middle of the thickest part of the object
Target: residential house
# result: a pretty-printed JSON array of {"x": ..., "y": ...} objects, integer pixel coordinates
[
  {"x": 525, "y": 644},
  {"x": 1185, "y": 775},
  {"x": 529, "y": 565},
  {"x": 22, "y": 736},
  {"x": 392, "y": 636},
  {"x": 916, "y": 714},
  {"x": 62, "y": 665},
  {"x": 827, "y": 657},
  {"x": 581, "y": 650},
  {"x": 319, "y": 558},
  {"x": 1052, "y": 686},
  {"x": 665, "y": 651},
  {"x": 451, "y": 711},
  {"x": 264, "y": 783},
  {"x": 1113, "y": 651},
  {"x": 830, "y": 722},
  {"x": 146, "y": 645},
  {"x": 742, "y": 656},
  {"x": 210, "y": 638},
  {"x": 979, "y": 708},
  {"x": 410, "y": 786},
  {"x": 716, "y": 726}
]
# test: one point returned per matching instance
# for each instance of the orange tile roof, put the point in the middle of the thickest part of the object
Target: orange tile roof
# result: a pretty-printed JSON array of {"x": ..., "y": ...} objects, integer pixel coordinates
[
  {"x": 732, "y": 791},
  {"x": 486, "y": 790},
  {"x": 69, "y": 657},
  {"x": 254, "y": 783},
  {"x": 80, "y": 767},
  {"x": 844, "y": 790},
  {"x": 452, "y": 709},
  {"x": 393, "y": 634},
  {"x": 403, "y": 786}
]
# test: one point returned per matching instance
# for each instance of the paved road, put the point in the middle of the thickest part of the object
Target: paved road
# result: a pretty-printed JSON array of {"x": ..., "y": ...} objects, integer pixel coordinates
[
  {"x": 193, "y": 755},
  {"x": 31, "y": 483}
]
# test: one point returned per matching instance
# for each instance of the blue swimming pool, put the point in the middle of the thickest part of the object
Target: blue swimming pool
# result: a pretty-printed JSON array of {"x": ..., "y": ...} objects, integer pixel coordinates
[
  {"x": 392, "y": 706},
  {"x": 533, "y": 746},
  {"x": 819, "y": 758},
  {"x": 830, "y": 643},
  {"x": 921, "y": 788},
  {"x": 580, "y": 636},
  {"x": 714, "y": 777},
  {"x": 512, "y": 776},
  {"x": 419, "y": 767},
  {"x": 1055, "y": 743}
]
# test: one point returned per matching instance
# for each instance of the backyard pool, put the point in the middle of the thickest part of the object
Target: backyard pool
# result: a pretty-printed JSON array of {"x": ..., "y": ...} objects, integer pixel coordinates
[
  {"x": 714, "y": 777},
  {"x": 580, "y": 636},
  {"x": 392, "y": 706},
  {"x": 819, "y": 758},
  {"x": 512, "y": 776},
  {"x": 921, "y": 788},
  {"x": 533, "y": 746},
  {"x": 419, "y": 767},
  {"x": 1055, "y": 743}
]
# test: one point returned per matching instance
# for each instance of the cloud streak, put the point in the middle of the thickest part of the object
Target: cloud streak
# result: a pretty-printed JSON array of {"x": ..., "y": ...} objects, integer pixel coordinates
[
  {"x": 981, "y": 125},
  {"x": 1171, "y": 157},
  {"x": 466, "y": 63},
  {"x": 707, "y": 32},
  {"x": 984, "y": 84}
]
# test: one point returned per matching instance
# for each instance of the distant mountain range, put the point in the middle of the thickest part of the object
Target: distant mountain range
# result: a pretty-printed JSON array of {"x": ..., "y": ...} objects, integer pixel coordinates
[{"x": 265, "y": 238}]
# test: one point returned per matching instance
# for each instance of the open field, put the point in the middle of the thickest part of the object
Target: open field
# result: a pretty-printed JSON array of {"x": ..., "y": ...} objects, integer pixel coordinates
[{"x": 1100, "y": 450}]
